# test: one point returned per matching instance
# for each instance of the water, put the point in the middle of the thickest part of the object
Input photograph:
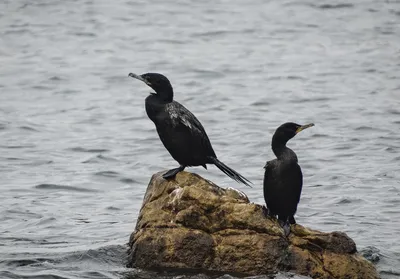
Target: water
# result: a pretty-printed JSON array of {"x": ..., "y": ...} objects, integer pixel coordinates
[{"x": 77, "y": 149}]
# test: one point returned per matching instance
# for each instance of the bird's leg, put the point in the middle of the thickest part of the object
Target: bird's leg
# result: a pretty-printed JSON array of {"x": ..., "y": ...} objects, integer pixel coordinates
[
  {"x": 285, "y": 226},
  {"x": 173, "y": 172},
  {"x": 292, "y": 220}
]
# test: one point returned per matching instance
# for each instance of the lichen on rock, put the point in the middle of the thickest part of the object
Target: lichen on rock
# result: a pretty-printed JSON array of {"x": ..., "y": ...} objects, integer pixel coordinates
[{"x": 191, "y": 223}]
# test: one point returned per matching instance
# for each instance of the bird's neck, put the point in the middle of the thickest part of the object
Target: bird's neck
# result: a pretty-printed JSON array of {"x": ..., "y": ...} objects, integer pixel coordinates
[
  {"x": 281, "y": 151},
  {"x": 165, "y": 95}
]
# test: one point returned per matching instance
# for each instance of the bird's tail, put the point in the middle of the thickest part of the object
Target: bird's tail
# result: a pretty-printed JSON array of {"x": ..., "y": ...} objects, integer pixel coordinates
[{"x": 230, "y": 172}]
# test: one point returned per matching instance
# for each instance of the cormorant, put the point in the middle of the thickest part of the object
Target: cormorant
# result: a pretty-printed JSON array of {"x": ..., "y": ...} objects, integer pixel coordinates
[
  {"x": 283, "y": 179},
  {"x": 179, "y": 130}
]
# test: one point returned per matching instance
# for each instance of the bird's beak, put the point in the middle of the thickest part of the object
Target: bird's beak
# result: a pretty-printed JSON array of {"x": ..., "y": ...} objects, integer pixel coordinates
[
  {"x": 139, "y": 77},
  {"x": 301, "y": 128}
]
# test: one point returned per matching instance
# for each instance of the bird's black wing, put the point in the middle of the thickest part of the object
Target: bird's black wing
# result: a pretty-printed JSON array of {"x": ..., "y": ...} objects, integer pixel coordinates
[
  {"x": 282, "y": 187},
  {"x": 297, "y": 182},
  {"x": 271, "y": 186},
  {"x": 184, "y": 136}
]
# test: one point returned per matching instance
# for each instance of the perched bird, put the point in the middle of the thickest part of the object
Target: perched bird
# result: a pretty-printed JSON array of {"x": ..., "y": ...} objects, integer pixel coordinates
[
  {"x": 179, "y": 130},
  {"x": 283, "y": 179}
]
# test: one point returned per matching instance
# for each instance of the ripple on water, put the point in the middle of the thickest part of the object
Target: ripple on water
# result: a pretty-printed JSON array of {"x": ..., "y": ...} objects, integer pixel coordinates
[
  {"x": 334, "y": 6},
  {"x": 349, "y": 201},
  {"x": 32, "y": 275},
  {"x": 261, "y": 103},
  {"x": 107, "y": 173},
  {"x": 208, "y": 74},
  {"x": 129, "y": 180},
  {"x": 25, "y": 262},
  {"x": 28, "y": 128},
  {"x": 26, "y": 213},
  {"x": 312, "y": 100},
  {"x": 113, "y": 208},
  {"x": 89, "y": 150},
  {"x": 98, "y": 159},
  {"x": 317, "y": 135},
  {"x": 26, "y": 162},
  {"x": 22, "y": 146},
  {"x": 371, "y": 253},
  {"x": 57, "y": 187}
]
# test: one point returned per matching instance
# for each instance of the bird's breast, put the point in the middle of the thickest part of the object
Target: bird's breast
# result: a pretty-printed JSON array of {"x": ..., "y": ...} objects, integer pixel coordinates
[{"x": 154, "y": 110}]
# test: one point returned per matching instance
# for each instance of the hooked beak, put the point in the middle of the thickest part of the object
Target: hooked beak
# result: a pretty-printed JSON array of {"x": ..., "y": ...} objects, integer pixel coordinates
[
  {"x": 301, "y": 128},
  {"x": 139, "y": 77}
]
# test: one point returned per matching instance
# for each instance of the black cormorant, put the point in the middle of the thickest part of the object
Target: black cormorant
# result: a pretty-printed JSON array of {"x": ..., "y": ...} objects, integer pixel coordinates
[
  {"x": 283, "y": 179},
  {"x": 179, "y": 130}
]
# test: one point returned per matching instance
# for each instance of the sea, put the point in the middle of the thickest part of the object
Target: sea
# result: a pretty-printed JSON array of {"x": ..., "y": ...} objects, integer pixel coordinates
[{"x": 77, "y": 149}]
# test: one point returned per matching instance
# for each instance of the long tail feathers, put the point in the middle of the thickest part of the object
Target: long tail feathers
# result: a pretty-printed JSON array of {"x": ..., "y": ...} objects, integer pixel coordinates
[{"x": 230, "y": 172}]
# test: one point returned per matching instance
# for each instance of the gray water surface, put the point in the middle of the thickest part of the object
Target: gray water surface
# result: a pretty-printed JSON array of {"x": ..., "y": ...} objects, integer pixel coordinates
[{"x": 77, "y": 149}]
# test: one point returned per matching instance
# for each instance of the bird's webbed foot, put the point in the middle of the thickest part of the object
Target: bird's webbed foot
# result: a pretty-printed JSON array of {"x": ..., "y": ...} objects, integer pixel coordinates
[
  {"x": 171, "y": 173},
  {"x": 285, "y": 226}
]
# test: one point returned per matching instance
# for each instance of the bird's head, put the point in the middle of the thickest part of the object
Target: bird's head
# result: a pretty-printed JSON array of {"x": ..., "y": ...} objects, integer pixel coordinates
[
  {"x": 159, "y": 83},
  {"x": 288, "y": 130}
]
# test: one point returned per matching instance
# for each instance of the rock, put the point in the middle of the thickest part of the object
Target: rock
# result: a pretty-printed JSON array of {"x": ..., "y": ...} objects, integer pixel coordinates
[{"x": 191, "y": 223}]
